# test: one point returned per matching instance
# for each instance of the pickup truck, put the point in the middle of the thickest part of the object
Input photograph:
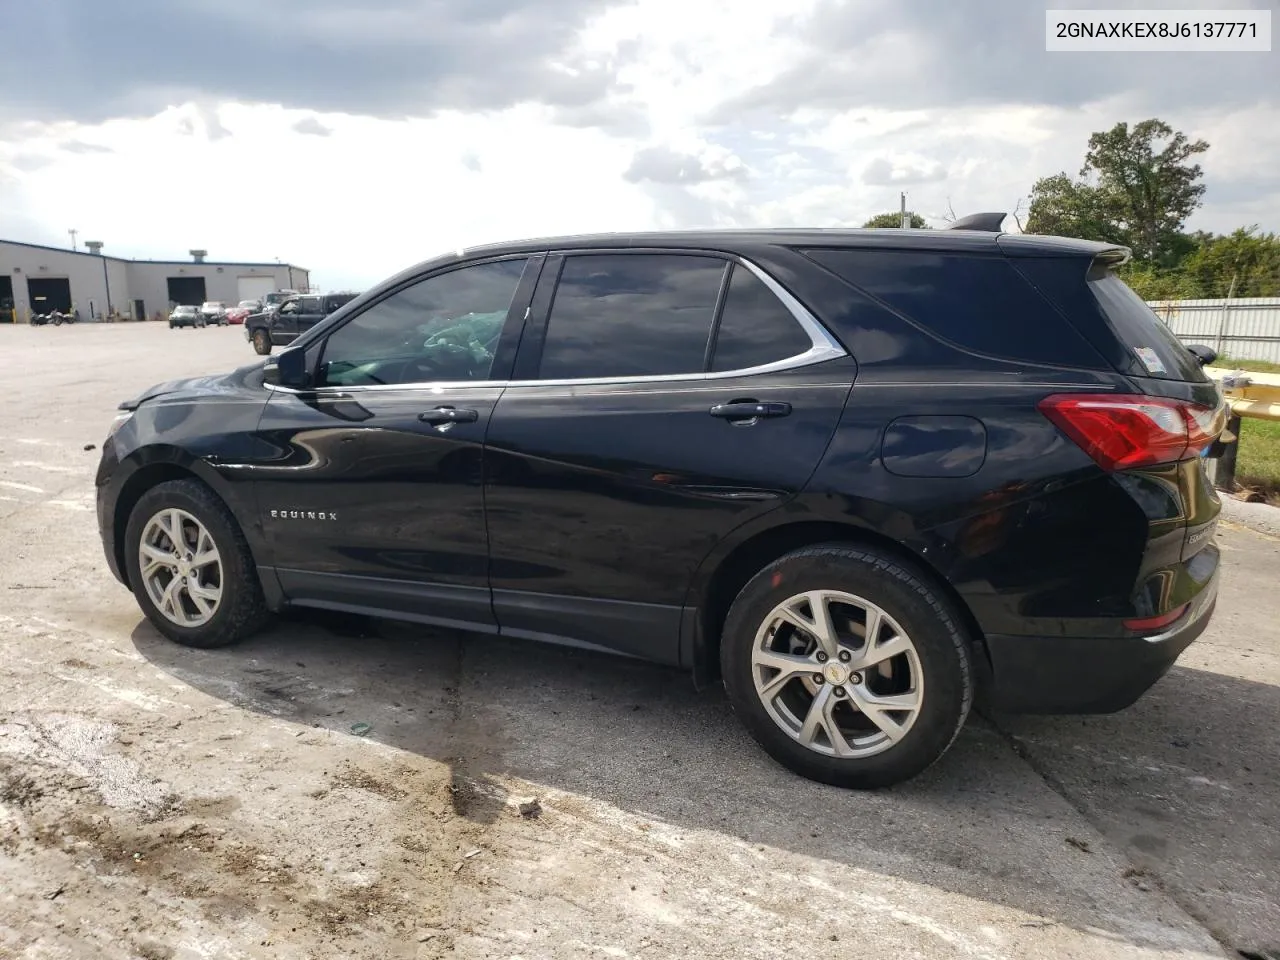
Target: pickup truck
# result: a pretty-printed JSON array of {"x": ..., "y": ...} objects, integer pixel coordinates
[{"x": 295, "y": 316}]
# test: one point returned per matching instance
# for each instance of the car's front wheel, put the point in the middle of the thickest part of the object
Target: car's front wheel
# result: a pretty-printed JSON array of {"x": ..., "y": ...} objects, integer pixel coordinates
[
  {"x": 261, "y": 342},
  {"x": 190, "y": 566},
  {"x": 846, "y": 667}
]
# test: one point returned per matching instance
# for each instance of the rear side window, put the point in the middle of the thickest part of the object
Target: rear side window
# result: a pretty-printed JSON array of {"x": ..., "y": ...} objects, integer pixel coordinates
[
  {"x": 631, "y": 315},
  {"x": 979, "y": 303},
  {"x": 755, "y": 327},
  {"x": 1159, "y": 352}
]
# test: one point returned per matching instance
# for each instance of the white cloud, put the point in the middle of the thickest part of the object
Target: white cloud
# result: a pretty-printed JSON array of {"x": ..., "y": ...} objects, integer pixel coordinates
[
  {"x": 370, "y": 198},
  {"x": 356, "y": 196}
]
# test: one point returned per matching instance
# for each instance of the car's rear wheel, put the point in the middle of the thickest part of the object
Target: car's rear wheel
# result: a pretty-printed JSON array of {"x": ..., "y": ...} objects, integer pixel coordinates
[
  {"x": 190, "y": 566},
  {"x": 261, "y": 342},
  {"x": 846, "y": 667}
]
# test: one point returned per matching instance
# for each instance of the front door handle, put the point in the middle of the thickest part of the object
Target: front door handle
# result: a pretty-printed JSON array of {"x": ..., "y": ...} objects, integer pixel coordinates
[
  {"x": 449, "y": 415},
  {"x": 749, "y": 410}
]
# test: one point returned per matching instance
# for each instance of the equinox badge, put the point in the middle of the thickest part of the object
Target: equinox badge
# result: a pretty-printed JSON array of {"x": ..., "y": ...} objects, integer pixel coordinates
[{"x": 303, "y": 515}]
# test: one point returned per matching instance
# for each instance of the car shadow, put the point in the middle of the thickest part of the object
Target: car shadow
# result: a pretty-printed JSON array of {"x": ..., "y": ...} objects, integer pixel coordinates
[{"x": 639, "y": 737}]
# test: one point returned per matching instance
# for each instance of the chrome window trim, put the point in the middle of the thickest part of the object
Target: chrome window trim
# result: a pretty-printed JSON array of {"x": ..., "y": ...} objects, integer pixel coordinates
[
  {"x": 823, "y": 347},
  {"x": 451, "y": 386}
]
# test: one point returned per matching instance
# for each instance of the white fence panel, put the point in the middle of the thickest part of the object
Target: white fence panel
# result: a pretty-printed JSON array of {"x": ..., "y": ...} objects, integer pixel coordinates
[{"x": 1247, "y": 328}]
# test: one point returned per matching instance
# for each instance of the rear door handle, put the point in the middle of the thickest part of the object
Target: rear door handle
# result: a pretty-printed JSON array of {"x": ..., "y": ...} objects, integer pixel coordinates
[
  {"x": 739, "y": 410},
  {"x": 448, "y": 415}
]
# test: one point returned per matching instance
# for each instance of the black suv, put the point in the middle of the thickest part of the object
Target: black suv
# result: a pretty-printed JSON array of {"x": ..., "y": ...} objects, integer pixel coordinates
[
  {"x": 294, "y": 317},
  {"x": 860, "y": 476}
]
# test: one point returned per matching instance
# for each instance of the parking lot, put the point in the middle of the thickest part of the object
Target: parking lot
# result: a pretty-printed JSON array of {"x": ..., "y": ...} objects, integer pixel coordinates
[{"x": 161, "y": 802}]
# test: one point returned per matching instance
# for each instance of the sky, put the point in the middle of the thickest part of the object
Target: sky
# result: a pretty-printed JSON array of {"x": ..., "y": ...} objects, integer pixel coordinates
[{"x": 358, "y": 137}]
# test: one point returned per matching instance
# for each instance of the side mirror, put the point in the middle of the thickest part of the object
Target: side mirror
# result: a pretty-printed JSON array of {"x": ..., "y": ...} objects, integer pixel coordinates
[
  {"x": 288, "y": 369},
  {"x": 1206, "y": 355}
]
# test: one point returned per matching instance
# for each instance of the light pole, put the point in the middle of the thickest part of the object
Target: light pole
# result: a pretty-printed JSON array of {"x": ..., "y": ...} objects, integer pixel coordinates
[
  {"x": 95, "y": 247},
  {"x": 73, "y": 238}
]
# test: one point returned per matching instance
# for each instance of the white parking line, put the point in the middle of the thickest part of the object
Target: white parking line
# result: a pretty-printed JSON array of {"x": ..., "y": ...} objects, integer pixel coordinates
[
  {"x": 51, "y": 467},
  {"x": 21, "y": 486},
  {"x": 71, "y": 504}
]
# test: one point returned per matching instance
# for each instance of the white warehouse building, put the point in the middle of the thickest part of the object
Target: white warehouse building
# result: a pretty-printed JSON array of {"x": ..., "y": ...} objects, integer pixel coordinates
[{"x": 38, "y": 279}]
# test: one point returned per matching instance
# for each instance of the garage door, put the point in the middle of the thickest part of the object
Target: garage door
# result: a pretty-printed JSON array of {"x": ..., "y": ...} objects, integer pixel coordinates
[{"x": 255, "y": 288}]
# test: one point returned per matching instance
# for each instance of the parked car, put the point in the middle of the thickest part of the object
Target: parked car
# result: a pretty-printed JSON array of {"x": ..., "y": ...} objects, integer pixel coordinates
[
  {"x": 215, "y": 312},
  {"x": 186, "y": 315},
  {"x": 238, "y": 313},
  {"x": 295, "y": 316},
  {"x": 271, "y": 301},
  {"x": 860, "y": 477}
]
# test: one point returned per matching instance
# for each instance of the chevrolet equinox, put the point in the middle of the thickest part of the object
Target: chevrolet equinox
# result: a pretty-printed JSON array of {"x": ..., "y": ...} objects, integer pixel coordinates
[{"x": 858, "y": 476}]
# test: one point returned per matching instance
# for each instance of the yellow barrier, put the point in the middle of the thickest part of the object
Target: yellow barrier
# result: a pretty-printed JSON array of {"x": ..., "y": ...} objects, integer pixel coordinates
[{"x": 1247, "y": 394}]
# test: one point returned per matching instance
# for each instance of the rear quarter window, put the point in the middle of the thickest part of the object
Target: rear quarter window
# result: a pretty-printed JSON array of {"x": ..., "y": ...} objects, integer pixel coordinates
[
  {"x": 979, "y": 303},
  {"x": 1160, "y": 354},
  {"x": 755, "y": 328}
]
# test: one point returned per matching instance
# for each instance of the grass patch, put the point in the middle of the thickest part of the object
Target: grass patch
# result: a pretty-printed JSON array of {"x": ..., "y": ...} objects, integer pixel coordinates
[
  {"x": 1258, "y": 462},
  {"x": 1255, "y": 366}
]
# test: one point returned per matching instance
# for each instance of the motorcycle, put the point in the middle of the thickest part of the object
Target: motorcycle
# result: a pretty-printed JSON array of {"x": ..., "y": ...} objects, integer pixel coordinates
[{"x": 55, "y": 317}]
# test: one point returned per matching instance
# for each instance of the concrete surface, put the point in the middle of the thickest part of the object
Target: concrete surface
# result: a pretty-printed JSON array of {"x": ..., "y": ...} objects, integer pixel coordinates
[
  {"x": 160, "y": 802},
  {"x": 1261, "y": 517}
]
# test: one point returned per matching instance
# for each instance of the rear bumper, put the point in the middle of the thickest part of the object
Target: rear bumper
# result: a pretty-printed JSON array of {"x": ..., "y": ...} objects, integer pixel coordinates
[{"x": 1088, "y": 674}]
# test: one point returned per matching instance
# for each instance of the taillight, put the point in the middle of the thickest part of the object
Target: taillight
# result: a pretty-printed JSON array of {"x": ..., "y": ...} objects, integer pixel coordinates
[
  {"x": 1147, "y": 624},
  {"x": 1123, "y": 431}
]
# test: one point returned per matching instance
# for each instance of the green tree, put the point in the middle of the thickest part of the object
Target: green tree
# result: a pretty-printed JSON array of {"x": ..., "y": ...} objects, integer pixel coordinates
[
  {"x": 1070, "y": 208},
  {"x": 1154, "y": 283},
  {"x": 1150, "y": 183},
  {"x": 890, "y": 220},
  {"x": 1137, "y": 187},
  {"x": 1245, "y": 263}
]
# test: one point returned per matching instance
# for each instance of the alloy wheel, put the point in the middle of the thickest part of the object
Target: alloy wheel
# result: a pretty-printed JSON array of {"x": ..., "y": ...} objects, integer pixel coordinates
[
  {"x": 181, "y": 567},
  {"x": 837, "y": 674}
]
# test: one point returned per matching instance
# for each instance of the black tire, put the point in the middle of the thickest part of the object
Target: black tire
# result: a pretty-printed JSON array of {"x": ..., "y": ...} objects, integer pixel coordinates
[
  {"x": 242, "y": 610},
  {"x": 927, "y": 618},
  {"x": 261, "y": 342}
]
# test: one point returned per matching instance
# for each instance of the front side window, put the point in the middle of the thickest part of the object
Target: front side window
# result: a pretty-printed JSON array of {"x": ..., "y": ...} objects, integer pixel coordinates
[
  {"x": 444, "y": 328},
  {"x": 631, "y": 315},
  {"x": 755, "y": 327}
]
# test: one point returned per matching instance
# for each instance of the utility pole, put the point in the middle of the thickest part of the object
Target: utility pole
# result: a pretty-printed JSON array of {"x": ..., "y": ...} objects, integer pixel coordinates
[
  {"x": 905, "y": 222},
  {"x": 73, "y": 238}
]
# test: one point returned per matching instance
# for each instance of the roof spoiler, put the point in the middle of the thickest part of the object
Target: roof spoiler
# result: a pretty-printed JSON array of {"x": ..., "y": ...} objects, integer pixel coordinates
[
  {"x": 1107, "y": 260},
  {"x": 986, "y": 222}
]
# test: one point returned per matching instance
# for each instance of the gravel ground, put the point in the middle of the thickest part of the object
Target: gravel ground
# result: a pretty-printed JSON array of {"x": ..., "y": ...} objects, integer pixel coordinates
[{"x": 158, "y": 802}]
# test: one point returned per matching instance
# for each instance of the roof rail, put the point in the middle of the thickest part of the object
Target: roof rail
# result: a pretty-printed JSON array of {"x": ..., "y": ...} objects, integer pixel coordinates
[{"x": 986, "y": 222}]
